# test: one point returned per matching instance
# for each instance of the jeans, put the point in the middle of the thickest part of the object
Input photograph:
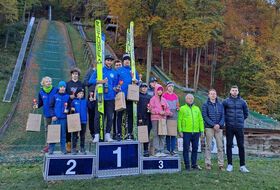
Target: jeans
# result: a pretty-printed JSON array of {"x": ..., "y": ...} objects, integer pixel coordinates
[
  {"x": 239, "y": 134},
  {"x": 170, "y": 143},
  {"x": 109, "y": 107},
  {"x": 218, "y": 135},
  {"x": 187, "y": 139},
  {"x": 158, "y": 140},
  {"x": 62, "y": 123},
  {"x": 82, "y": 137},
  {"x": 91, "y": 114}
]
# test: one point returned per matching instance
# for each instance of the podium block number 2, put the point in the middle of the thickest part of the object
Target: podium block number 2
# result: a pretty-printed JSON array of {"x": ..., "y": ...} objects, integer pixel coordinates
[
  {"x": 73, "y": 164},
  {"x": 118, "y": 152}
]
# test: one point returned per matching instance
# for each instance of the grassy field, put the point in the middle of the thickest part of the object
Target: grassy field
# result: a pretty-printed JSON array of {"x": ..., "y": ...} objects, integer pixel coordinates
[{"x": 264, "y": 175}]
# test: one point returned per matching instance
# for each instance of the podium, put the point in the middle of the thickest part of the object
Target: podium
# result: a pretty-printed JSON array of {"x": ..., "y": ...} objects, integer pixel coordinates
[
  {"x": 151, "y": 165},
  {"x": 66, "y": 166},
  {"x": 117, "y": 159},
  {"x": 111, "y": 159}
]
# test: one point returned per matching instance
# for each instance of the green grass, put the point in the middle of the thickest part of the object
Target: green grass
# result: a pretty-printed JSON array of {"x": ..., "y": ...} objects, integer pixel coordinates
[{"x": 264, "y": 175}]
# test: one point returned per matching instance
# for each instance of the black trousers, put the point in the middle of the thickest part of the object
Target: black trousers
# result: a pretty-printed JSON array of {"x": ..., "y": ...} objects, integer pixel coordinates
[
  {"x": 82, "y": 137},
  {"x": 129, "y": 111},
  {"x": 91, "y": 114},
  {"x": 109, "y": 108},
  {"x": 239, "y": 134}
]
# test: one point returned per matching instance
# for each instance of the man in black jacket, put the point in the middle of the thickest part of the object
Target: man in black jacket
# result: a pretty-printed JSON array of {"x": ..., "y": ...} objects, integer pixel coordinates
[{"x": 236, "y": 111}]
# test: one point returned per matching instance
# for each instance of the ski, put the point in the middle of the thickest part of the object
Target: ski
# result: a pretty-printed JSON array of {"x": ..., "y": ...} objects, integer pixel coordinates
[
  {"x": 133, "y": 69},
  {"x": 99, "y": 68}
]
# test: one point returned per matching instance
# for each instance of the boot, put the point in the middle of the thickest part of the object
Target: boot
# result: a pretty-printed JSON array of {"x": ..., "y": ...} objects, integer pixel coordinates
[{"x": 68, "y": 147}]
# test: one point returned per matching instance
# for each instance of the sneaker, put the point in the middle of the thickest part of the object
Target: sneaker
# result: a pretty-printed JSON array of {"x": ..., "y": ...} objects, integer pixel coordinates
[
  {"x": 221, "y": 168},
  {"x": 83, "y": 151},
  {"x": 68, "y": 147},
  {"x": 230, "y": 168},
  {"x": 74, "y": 151},
  {"x": 173, "y": 153},
  {"x": 50, "y": 152},
  {"x": 119, "y": 137},
  {"x": 163, "y": 154},
  {"x": 108, "y": 138},
  {"x": 158, "y": 154},
  {"x": 63, "y": 152},
  {"x": 45, "y": 149},
  {"x": 208, "y": 167},
  {"x": 96, "y": 138},
  {"x": 197, "y": 167},
  {"x": 243, "y": 169},
  {"x": 146, "y": 153},
  {"x": 129, "y": 137}
]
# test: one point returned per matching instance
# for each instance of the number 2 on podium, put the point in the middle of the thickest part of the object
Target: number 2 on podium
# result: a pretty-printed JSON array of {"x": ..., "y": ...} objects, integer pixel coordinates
[{"x": 118, "y": 152}]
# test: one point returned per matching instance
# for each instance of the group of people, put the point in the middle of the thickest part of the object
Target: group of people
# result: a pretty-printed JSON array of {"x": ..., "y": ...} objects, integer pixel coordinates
[{"x": 155, "y": 104}]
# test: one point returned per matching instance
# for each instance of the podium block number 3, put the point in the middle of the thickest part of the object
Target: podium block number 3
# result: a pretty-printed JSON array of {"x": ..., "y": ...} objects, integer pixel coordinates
[
  {"x": 73, "y": 164},
  {"x": 118, "y": 152},
  {"x": 160, "y": 166}
]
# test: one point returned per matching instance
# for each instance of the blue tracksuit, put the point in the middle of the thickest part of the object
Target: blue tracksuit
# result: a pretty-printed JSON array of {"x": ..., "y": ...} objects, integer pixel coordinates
[
  {"x": 80, "y": 106},
  {"x": 57, "y": 105},
  {"x": 124, "y": 74},
  {"x": 44, "y": 100},
  {"x": 112, "y": 77}
]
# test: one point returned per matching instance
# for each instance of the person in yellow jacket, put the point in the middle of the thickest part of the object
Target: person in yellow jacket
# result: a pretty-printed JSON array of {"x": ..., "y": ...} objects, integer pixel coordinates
[{"x": 190, "y": 127}]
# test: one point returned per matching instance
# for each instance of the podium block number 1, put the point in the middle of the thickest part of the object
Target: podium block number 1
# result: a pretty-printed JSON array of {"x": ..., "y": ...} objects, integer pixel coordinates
[{"x": 118, "y": 152}]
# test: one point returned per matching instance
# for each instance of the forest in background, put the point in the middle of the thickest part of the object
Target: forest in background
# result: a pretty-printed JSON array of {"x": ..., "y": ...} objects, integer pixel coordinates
[{"x": 234, "y": 41}]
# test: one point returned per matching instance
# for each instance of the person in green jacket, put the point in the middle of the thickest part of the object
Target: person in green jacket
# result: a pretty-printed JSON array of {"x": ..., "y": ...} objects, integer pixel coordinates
[{"x": 190, "y": 127}]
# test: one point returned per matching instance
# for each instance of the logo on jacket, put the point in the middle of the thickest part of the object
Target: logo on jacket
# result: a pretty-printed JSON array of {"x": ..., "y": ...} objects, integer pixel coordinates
[{"x": 111, "y": 75}]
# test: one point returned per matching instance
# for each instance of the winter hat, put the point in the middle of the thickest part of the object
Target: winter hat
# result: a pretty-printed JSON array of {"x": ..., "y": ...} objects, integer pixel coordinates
[
  {"x": 143, "y": 85},
  {"x": 78, "y": 91},
  {"x": 126, "y": 56},
  {"x": 61, "y": 83},
  {"x": 153, "y": 79},
  {"x": 169, "y": 83},
  {"x": 160, "y": 88},
  {"x": 109, "y": 57}
]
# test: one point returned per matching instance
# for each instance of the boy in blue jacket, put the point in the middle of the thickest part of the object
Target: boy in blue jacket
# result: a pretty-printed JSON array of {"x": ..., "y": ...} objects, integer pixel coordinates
[
  {"x": 125, "y": 75},
  {"x": 59, "y": 107},
  {"x": 79, "y": 105},
  {"x": 109, "y": 82}
]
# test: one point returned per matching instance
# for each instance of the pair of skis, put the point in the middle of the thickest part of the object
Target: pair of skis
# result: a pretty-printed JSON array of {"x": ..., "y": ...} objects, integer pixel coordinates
[
  {"x": 100, "y": 51},
  {"x": 130, "y": 50}
]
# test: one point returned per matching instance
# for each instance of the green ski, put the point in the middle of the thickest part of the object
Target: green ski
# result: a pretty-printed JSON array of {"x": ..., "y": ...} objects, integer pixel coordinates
[
  {"x": 133, "y": 69},
  {"x": 99, "y": 68}
]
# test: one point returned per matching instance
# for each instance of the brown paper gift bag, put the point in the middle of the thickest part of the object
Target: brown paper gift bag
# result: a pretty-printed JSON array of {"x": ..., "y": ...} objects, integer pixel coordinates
[
  {"x": 33, "y": 122},
  {"x": 73, "y": 122},
  {"x": 162, "y": 129},
  {"x": 120, "y": 102},
  {"x": 133, "y": 92},
  {"x": 53, "y": 134},
  {"x": 143, "y": 136},
  {"x": 172, "y": 127}
]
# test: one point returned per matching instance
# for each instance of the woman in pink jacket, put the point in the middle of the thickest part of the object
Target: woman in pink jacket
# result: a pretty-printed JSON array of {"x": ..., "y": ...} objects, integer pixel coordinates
[{"x": 159, "y": 110}]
